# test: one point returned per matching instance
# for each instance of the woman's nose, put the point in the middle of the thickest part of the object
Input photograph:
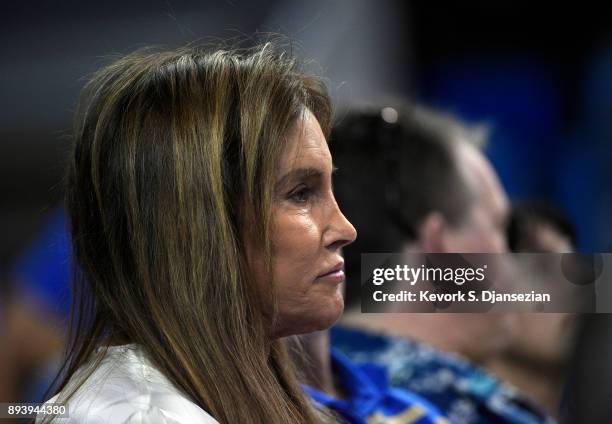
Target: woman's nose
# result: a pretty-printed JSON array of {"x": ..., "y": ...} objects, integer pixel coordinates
[{"x": 340, "y": 231}]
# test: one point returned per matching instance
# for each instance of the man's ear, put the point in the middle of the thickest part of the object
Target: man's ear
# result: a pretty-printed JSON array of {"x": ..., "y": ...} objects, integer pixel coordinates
[{"x": 432, "y": 233}]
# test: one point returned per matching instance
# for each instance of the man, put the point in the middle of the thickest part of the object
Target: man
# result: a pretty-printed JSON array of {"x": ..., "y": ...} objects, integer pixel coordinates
[
  {"x": 538, "y": 227},
  {"x": 537, "y": 359},
  {"x": 411, "y": 180}
]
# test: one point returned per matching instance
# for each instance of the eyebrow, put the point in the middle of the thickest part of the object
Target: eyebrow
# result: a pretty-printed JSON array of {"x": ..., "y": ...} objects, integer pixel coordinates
[{"x": 298, "y": 174}]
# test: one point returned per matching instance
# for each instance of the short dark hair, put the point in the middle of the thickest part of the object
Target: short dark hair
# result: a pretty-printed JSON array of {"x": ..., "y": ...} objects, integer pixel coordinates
[
  {"x": 395, "y": 166},
  {"x": 526, "y": 215}
]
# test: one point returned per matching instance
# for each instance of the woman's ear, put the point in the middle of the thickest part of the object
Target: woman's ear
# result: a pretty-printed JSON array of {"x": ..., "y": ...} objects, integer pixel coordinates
[{"x": 433, "y": 233}]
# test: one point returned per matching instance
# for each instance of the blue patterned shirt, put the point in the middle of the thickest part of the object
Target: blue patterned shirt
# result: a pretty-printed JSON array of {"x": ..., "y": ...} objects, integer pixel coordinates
[
  {"x": 465, "y": 393},
  {"x": 370, "y": 400}
]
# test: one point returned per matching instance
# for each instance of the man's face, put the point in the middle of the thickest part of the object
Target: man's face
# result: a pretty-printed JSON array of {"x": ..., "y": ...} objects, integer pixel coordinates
[{"x": 483, "y": 230}]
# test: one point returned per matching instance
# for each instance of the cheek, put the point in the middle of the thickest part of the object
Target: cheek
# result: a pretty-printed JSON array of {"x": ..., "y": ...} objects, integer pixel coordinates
[
  {"x": 493, "y": 239},
  {"x": 483, "y": 236},
  {"x": 471, "y": 240},
  {"x": 303, "y": 304},
  {"x": 296, "y": 246}
]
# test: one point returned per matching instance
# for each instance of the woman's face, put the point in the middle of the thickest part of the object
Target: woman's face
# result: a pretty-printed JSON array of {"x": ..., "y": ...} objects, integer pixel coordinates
[{"x": 308, "y": 232}]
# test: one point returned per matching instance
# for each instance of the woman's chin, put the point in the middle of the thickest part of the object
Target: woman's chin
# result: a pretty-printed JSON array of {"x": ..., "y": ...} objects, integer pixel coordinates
[
  {"x": 325, "y": 317},
  {"x": 330, "y": 317}
]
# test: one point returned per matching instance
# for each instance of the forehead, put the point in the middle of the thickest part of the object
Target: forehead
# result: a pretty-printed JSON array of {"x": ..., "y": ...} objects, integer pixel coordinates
[
  {"x": 482, "y": 178},
  {"x": 306, "y": 145}
]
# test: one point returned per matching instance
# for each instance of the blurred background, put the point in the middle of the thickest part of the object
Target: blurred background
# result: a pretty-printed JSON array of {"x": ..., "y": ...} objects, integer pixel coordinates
[{"x": 539, "y": 78}]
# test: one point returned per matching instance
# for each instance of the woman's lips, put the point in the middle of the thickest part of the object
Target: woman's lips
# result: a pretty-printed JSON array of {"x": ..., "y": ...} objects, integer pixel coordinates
[{"x": 335, "y": 275}]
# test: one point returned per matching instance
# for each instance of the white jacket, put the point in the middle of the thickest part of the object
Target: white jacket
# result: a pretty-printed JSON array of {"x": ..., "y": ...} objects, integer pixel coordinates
[{"x": 127, "y": 388}]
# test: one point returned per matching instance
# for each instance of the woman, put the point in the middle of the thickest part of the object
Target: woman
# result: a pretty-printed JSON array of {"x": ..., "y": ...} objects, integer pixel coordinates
[{"x": 205, "y": 228}]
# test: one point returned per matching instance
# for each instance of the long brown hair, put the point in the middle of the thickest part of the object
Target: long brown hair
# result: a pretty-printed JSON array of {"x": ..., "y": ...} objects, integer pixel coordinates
[{"x": 169, "y": 148}]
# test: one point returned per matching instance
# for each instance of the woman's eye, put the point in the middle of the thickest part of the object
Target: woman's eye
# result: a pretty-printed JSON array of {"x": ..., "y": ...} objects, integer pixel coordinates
[{"x": 300, "y": 194}]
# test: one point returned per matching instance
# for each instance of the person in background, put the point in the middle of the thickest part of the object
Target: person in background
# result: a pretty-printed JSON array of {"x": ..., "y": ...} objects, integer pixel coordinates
[
  {"x": 537, "y": 359},
  {"x": 413, "y": 180},
  {"x": 537, "y": 227},
  {"x": 35, "y": 303}
]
